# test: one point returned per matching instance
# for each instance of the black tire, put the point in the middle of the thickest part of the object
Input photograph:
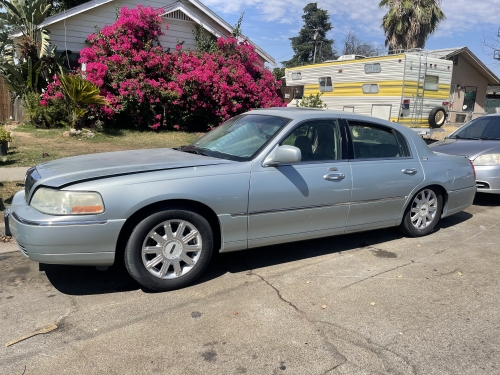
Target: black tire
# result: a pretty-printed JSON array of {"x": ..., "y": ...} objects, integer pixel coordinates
[
  {"x": 165, "y": 275},
  {"x": 437, "y": 117},
  {"x": 410, "y": 224}
]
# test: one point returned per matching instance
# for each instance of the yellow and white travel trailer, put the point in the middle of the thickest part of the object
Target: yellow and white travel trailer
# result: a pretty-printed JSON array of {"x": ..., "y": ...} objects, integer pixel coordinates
[{"x": 411, "y": 88}]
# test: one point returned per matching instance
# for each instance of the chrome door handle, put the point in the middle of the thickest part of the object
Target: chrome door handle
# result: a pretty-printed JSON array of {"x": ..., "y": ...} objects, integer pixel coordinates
[
  {"x": 334, "y": 176},
  {"x": 409, "y": 171}
]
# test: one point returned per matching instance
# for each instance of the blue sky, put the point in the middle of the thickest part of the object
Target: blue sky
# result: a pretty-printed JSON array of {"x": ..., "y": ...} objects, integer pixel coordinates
[{"x": 269, "y": 23}]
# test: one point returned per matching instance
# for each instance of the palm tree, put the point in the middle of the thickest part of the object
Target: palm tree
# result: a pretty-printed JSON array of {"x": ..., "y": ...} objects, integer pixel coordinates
[
  {"x": 409, "y": 23},
  {"x": 81, "y": 94}
]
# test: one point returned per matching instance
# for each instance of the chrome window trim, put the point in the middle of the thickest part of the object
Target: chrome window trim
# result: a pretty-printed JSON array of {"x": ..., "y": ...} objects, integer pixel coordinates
[{"x": 57, "y": 223}]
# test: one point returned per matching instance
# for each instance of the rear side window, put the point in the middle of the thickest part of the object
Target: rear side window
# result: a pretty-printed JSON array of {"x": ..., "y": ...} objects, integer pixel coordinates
[{"x": 370, "y": 142}]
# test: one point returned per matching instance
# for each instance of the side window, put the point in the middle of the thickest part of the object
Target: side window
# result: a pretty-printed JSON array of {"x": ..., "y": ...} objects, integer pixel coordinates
[
  {"x": 296, "y": 76},
  {"x": 317, "y": 140},
  {"x": 431, "y": 83},
  {"x": 373, "y": 68},
  {"x": 325, "y": 84},
  {"x": 370, "y": 88},
  {"x": 371, "y": 141}
]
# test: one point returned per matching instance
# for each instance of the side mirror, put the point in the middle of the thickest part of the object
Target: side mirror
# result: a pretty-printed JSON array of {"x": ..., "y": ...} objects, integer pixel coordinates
[{"x": 283, "y": 155}]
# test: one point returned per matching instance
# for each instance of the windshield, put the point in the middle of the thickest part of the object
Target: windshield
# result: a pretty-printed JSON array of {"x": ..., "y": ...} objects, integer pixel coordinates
[
  {"x": 484, "y": 128},
  {"x": 239, "y": 138}
]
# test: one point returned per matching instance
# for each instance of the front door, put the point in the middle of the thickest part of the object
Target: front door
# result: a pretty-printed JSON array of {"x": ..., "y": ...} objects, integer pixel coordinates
[
  {"x": 384, "y": 173},
  {"x": 302, "y": 200}
]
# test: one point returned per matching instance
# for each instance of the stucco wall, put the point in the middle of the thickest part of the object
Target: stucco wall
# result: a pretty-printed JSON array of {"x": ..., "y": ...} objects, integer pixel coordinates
[{"x": 465, "y": 74}]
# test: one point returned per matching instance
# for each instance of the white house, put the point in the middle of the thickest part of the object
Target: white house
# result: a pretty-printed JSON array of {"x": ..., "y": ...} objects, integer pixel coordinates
[{"x": 69, "y": 29}]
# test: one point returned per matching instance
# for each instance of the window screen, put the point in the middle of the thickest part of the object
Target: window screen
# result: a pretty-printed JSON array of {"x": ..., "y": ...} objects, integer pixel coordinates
[
  {"x": 373, "y": 68},
  {"x": 370, "y": 88},
  {"x": 298, "y": 92},
  {"x": 325, "y": 84},
  {"x": 431, "y": 83}
]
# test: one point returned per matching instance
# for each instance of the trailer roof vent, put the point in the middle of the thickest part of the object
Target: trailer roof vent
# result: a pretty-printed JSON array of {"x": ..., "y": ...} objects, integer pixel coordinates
[{"x": 351, "y": 57}]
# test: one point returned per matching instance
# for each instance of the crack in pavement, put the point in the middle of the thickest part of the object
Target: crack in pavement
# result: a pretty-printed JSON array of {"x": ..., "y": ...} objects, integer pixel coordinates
[
  {"x": 378, "y": 274},
  {"x": 332, "y": 348}
]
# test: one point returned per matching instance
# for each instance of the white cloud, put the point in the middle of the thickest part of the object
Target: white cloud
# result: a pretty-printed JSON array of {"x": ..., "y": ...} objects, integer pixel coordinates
[{"x": 364, "y": 16}]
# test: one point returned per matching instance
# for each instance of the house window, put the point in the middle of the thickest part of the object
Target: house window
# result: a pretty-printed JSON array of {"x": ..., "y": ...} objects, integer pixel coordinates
[
  {"x": 296, "y": 76},
  {"x": 431, "y": 83},
  {"x": 70, "y": 59},
  {"x": 325, "y": 84},
  {"x": 370, "y": 88},
  {"x": 373, "y": 68}
]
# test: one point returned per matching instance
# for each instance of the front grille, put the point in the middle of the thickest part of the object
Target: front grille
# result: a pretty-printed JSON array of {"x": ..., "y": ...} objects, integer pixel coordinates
[
  {"x": 32, "y": 176},
  {"x": 482, "y": 185},
  {"x": 23, "y": 250}
]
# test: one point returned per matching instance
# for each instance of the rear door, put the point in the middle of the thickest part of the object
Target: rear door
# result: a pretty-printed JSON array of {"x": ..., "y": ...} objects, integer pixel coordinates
[{"x": 384, "y": 173}]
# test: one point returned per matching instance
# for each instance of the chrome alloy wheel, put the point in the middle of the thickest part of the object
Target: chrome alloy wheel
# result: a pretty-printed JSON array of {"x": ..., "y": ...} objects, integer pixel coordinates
[
  {"x": 171, "y": 249},
  {"x": 423, "y": 209}
]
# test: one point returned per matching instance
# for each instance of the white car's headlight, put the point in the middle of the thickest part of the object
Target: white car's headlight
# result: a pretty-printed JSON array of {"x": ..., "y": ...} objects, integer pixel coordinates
[
  {"x": 488, "y": 159},
  {"x": 60, "y": 202}
]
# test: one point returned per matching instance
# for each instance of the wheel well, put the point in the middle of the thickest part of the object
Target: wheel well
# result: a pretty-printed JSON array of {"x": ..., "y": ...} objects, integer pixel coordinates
[
  {"x": 144, "y": 212},
  {"x": 437, "y": 187}
]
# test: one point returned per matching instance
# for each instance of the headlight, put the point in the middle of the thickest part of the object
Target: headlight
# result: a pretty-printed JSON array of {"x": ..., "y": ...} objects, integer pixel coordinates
[
  {"x": 487, "y": 159},
  {"x": 60, "y": 202}
]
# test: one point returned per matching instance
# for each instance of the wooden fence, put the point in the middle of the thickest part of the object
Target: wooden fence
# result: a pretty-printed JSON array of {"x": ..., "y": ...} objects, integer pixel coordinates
[
  {"x": 6, "y": 105},
  {"x": 10, "y": 109}
]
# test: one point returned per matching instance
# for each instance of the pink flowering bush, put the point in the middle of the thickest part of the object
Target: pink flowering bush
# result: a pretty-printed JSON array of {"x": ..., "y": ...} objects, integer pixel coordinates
[{"x": 149, "y": 87}]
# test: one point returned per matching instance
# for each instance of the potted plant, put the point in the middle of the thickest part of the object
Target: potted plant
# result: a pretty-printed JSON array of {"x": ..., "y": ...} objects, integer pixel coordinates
[{"x": 5, "y": 138}]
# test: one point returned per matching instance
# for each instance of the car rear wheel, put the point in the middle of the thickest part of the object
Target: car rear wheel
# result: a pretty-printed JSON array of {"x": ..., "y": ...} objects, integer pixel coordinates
[
  {"x": 423, "y": 213},
  {"x": 169, "y": 249}
]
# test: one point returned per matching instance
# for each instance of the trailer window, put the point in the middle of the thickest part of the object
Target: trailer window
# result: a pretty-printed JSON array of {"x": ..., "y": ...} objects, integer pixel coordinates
[
  {"x": 370, "y": 88},
  {"x": 431, "y": 83},
  {"x": 296, "y": 76},
  {"x": 325, "y": 84},
  {"x": 373, "y": 68}
]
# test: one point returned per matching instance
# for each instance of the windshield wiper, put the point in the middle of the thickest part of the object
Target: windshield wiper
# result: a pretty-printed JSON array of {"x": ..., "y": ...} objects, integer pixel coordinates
[
  {"x": 489, "y": 139},
  {"x": 196, "y": 151},
  {"x": 459, "y": 137}
]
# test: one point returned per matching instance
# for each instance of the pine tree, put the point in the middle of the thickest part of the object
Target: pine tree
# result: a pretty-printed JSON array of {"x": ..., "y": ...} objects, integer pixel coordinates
[{"x": 316, "y": 20}]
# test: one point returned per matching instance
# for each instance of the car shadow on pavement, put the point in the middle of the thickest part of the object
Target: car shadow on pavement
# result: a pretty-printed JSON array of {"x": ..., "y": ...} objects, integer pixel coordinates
[{"x": 79, "y": 280}]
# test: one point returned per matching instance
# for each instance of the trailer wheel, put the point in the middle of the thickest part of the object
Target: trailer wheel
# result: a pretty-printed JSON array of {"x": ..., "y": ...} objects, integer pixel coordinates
[{"x": 437, "y": 117}]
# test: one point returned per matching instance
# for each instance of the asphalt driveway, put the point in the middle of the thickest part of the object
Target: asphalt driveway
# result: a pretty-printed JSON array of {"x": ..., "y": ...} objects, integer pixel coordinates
[{"x": 371, "y": 303}]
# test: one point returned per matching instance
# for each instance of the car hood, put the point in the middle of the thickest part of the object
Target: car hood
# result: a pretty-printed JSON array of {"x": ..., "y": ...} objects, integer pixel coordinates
[
  {"x": 86, "y": 167},
  {"x": 466, "y": 147}
]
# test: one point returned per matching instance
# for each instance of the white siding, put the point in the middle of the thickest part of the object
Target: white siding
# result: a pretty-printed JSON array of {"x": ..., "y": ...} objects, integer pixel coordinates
[{"x": 71, "y": 33}]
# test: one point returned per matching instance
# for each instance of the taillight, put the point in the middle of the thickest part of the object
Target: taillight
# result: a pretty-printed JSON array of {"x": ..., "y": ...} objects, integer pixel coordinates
[
  {"x": 406, "y": 101},
  {"x": 473, "y": 169},
  {"x": 446, "y": 104}
]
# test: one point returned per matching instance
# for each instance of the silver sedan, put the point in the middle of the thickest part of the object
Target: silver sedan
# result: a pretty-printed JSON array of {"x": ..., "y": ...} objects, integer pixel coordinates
[
  {"x": 265, "y": 177},
  {"x": 479, "y": 140}
]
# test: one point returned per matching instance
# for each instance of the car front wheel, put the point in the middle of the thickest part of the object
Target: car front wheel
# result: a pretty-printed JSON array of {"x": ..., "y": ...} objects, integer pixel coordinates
[
  {"x": 169, "y": 249},
  {"x": 423, "y": 213}
]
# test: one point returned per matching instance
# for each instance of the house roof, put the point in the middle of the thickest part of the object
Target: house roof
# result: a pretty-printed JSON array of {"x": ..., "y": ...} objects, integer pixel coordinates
[
  {"x": 179, "y": 5},
  {"x": 449, "y": 53}
]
